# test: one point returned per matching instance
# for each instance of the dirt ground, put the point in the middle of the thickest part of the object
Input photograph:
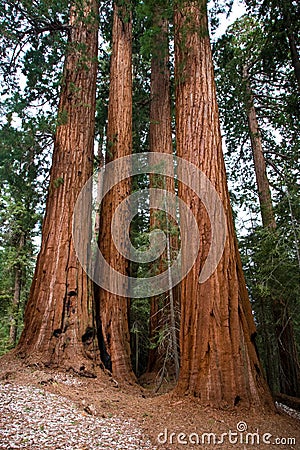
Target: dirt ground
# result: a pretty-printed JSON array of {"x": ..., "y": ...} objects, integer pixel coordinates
[{"x": 170, "y": 422}]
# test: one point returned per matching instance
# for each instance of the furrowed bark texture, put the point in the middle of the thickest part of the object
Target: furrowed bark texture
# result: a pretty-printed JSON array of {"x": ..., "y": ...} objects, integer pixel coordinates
[
  {"x": 219, "y": 362},
  {"x": 114, "y": 309},
  {"x": 59, "y": 325}
]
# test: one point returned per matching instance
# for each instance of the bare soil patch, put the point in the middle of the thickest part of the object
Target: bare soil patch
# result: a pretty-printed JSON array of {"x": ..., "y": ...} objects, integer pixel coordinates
[{"x": 180, "y": 423}]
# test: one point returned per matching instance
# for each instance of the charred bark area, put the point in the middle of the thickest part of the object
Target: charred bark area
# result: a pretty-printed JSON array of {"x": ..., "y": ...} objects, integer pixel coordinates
[
  {"x": 59, "y": 321},
  {"x": 113, "y": 309},
  {"x": 219, "y": 362},
  {"x": 104, "y": 355}
]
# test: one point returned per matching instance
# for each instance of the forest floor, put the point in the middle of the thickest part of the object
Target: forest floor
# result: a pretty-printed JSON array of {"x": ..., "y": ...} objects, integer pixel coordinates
[{"x": 47, "y": 409}]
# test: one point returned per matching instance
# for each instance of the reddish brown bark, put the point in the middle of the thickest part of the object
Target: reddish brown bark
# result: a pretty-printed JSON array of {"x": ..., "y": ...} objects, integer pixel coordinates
[
  {"x": 262, "y": 181},
  {"x": 162, "y": 310},
  {"x": 113, "y": 309},
  {"x": 59, "y": 325},
  {"x": 219, "y": 363}
]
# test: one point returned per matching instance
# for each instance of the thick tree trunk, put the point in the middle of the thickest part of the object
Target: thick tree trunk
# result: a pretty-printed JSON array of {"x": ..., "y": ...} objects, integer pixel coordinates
[
  {"x": 161, "y": 142},
  {"x": 281, "y": 344},
  {"x": 114, "y": 309},
  {"x": 219, "y": 362},
  {"x": 59, "y": 325}
]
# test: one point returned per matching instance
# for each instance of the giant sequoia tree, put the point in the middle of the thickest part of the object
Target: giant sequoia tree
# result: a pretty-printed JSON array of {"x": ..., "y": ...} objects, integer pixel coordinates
[
  {"x": 162, "y": 313},
  {"x": 113, "y": 309},
  {"x": 59, "y": 325},
  {"x": 219, "y": 362}
]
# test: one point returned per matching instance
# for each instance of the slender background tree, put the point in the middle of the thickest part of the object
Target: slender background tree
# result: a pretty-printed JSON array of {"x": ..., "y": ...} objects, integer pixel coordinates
[{"x": 241, "y": 55}]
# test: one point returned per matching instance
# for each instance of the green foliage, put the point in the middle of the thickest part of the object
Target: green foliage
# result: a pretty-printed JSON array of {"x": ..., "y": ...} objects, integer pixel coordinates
[
  {"x": 33, "y": 38},
  {"x": 272, "y": 269},
  {"x": 148, "y": 15},
  {"x": 32, "y": 44},
  {"x": 139, "y": 331},
  {"x": 280, "y": 19},
  {"x": 5, "y": 298},
  {"x": 62, "y": 118},
  {"x": 22, "y": 171},
  {"x": 217, "y": 10},
  {"x": 10, "y": 257},
  {"x": 271, "y": 258},
  {"x": 58, "y": 182},
  {"x": 241, "y": 49}
]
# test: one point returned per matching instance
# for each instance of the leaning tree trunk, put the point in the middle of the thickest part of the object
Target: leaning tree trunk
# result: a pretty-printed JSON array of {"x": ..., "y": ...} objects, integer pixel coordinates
[
  {"x": 281, "y": 344},
  {"x": 59, "y": 324},
  {"x": 219, "y": 362},
  {"x": 162, "y": 307},
  {"x": 113, "y": 309}
]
